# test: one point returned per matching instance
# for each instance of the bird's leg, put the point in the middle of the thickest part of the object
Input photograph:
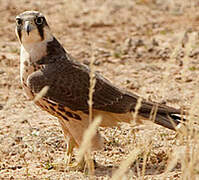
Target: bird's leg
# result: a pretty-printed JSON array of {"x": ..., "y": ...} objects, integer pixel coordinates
[
  {"x": 90, "y": 163},
  {"x": 74, "y": 132},
  {"x": 81, "y": 165},
  {"x": 70, "y": 143},
  {"x": 69, "y": 152},
  {"x": 86, "y": 164}
]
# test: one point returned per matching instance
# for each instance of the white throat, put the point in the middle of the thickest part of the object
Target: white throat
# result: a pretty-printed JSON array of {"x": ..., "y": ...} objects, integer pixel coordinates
[
  {"x": 34, "y": 51},
  {"x": 31, "y": 53}
]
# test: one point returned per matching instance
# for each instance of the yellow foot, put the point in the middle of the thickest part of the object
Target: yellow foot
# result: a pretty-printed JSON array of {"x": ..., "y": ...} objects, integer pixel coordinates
[
  {"x": 69, "y": 152},
  {"x": 77, "y": 166},
  {"x": 87, "y": 166}
]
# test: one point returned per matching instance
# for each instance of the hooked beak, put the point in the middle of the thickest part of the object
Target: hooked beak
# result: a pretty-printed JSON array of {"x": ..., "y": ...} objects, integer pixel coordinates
[{"x": 28, "y": 27}]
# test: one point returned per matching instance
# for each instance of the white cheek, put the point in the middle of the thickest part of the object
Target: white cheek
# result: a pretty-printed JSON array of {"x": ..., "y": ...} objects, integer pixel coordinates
[{"x": 33, "y": 46}]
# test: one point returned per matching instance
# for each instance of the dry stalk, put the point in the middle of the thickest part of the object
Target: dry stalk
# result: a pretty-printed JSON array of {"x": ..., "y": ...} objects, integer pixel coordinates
[
  {"x": 42, "y": 93},
  {"x": 147, "y": 149},
  {"x": 190, "y": 156},
  {"x": 187, "y": 154},
  {"x": 137, "y": 107},
  {"x": 153, "y": 113},
  {"x": 87, "y": 138},
  {"x": 85, "y": 148},
  {"x": 92, "y": 85},
  {"x": 126, "y": 163}
]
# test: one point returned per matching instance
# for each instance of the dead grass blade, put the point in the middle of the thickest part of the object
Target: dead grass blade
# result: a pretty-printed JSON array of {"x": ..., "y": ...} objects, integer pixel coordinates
[
  {"x": 41, "y": 93},
  {"x": 88, "y": 135},
  {"x": 137, "y": 107},
  {"x": 85, "y": 148},
  {"x": 92, "y": 85},
  {"x": 125, "y": 164}
]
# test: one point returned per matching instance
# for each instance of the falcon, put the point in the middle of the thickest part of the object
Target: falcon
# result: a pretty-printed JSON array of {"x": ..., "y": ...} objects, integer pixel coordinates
[{"x": 45, "y": 63}]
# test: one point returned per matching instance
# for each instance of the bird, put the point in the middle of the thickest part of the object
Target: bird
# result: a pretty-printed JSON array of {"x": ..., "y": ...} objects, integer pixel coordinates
[{"x": 45, "y": 63}]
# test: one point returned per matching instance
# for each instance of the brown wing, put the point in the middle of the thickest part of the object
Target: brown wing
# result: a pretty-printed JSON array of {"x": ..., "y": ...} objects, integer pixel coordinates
[{"x": 68, "y": 83}]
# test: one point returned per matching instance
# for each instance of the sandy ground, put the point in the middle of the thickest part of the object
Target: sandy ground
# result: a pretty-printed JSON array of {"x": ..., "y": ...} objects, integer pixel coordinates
[{"x": 145, "y": 46}]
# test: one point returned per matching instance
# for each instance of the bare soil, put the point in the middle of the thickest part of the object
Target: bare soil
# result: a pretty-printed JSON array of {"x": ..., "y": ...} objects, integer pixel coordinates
[{"x": 144, "y": 46}]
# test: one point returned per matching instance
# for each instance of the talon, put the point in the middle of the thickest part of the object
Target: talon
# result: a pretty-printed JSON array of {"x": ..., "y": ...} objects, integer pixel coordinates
[{"x": 79, "y": 166}]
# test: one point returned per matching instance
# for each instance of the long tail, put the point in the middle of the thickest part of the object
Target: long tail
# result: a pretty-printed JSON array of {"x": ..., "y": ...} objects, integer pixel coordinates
[
  {"x": 163, "y": 115},
  {"x": 168, "y": 121}
]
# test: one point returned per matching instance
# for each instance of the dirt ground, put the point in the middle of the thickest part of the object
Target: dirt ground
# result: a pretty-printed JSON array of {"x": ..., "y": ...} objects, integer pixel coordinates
[{"x": 149, "y": 47}]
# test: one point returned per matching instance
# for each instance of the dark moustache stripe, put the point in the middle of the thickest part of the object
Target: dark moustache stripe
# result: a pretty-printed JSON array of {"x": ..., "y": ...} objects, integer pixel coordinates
[
  {"x": 41, "y": 31},
  {"x": 19, "y": 33}
]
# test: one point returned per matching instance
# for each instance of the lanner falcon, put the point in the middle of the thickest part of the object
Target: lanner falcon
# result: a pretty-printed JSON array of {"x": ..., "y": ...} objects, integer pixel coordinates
[{"x": 44, "y": 62}]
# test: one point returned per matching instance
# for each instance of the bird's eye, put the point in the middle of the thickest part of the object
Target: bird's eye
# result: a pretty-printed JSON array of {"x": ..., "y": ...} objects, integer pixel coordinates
[
  {"x": 19, "y": 21},
  {"x": 39, "y": 20}
]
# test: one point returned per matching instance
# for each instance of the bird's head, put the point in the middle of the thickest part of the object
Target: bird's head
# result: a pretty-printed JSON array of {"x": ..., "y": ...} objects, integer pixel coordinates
[{"x": 31, "y": 27}]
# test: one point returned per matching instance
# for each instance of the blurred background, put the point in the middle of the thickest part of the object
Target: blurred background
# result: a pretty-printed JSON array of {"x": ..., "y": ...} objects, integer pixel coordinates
[{"x": 149, "y": 47}]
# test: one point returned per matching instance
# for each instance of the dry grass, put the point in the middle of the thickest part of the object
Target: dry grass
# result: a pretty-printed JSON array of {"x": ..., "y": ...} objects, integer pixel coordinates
[
  {"x": 125, "y": 164},
  {"x": 85, "y": 148},
  {"x": 149, "y": 47}
]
